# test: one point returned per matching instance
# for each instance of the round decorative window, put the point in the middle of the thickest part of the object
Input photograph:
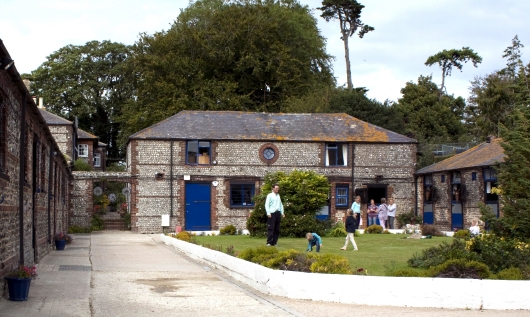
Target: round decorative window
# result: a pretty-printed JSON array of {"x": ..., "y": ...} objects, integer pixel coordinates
[{"x": 268, "y": 153}]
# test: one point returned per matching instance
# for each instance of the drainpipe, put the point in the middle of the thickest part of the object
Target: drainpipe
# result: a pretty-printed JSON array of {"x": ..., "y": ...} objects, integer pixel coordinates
[
  {"x": 22, "y": 171},
  {"x": 171, "y": 179},
  {"x": 416, "y": 195},
  {"x": 353, "y": 169},
  {"x": 50, "y": 197}
]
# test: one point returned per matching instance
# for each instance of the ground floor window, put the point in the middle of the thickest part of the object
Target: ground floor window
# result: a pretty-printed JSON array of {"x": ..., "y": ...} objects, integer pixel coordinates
[
  {"x": 341, "y": 196},
  {"x": 241, "y": 195}
]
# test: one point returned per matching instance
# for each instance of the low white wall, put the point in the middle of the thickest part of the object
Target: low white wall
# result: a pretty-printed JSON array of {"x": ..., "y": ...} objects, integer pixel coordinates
[{"x": 366, "y": 290}]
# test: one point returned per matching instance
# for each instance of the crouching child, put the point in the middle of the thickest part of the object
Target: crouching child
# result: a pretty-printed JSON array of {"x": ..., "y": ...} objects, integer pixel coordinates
[{"x": 313, "y": 240}]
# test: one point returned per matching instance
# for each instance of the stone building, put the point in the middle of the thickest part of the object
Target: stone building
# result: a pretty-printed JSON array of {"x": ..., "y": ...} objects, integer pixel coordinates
[
  {"x": 450, "y": 190},
  {"x": 34, "y": 176},
  {"x": 201, "y": 168},
  {"x": 74, "y": 142}
]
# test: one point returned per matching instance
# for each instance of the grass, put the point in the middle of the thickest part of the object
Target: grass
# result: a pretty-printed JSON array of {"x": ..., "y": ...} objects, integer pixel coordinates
[{"x": 378, "y": 253}]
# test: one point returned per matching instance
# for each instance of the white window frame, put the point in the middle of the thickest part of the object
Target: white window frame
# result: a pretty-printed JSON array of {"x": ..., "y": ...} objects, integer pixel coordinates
[
  {"x": 82, "y": 150},
  {"x": 336, "y": 146},
  {"x": 97, "y": 160}
]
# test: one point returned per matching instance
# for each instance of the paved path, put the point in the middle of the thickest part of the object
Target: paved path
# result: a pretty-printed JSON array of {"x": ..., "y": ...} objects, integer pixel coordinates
[{"x": 125, "y": 274}]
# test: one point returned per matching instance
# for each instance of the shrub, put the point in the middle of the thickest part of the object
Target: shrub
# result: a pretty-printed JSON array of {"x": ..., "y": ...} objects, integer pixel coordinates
[
  {"x": 230, "y": 230},
  {"x": 331, "y": 264},
  {"x": 184, "y": 236},
  {"x": 96, "y": 222},
  {"x": 374, "y": 229},
  {"x": 512, "y": 273},
  {"x": 407, "y": 272},
  {"x": 462, "y": 234},
  {"x": 430, "y": 230},
  {"x": 440, "y": 254},
  {"x": 408, "y": 218},
  {"x": 337, "y": 232},
  {"x": 386, "y": 231},
  {"x": 258, "y": 255},
  {"x": 291, "y": 260},
  {"x": 500, "y": 253},
  {"x": 79, "y": 229},
  {"x": 460, "y": 268},
  {"x": 127, "y": 220},
  {"x": 81, "y": 165}
]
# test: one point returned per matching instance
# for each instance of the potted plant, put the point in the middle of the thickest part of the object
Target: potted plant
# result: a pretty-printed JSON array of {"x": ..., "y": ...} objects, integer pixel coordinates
[
  {"x": 18, "y": 282},
  {"x": 61, "y": 240}
]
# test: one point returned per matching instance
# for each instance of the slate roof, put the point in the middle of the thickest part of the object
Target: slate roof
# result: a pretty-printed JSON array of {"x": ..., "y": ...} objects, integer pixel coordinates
[
  {"x": 81, "y": 134},
  {"x": 234, "y": 125},
  {"x": 484, "y": 154},
  {"x": 53, "y": 119}
]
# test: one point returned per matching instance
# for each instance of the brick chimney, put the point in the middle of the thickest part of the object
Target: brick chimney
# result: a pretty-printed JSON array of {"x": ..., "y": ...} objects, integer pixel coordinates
[{"x": 490, "y": 138}]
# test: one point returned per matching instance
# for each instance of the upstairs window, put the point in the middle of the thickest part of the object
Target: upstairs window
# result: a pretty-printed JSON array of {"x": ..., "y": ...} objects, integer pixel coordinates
[
  {"x": 198, "y": 152},
  {"x": 97, "y": 160},
  {"x": 341, "y": 196},
  {"x": 336, "y": 154},
  {"x": 428, "y": 191},
  {"x": 82, "y": 150},
  {"x": 241, "y": 194}
]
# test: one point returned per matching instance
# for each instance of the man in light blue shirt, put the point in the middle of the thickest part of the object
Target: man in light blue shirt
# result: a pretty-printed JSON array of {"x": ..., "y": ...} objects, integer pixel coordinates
[{"x": 274, "y": 209}]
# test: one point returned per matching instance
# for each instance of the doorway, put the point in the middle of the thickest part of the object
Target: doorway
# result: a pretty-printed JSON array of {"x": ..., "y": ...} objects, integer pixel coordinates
[{"x": 198, "y": 215}]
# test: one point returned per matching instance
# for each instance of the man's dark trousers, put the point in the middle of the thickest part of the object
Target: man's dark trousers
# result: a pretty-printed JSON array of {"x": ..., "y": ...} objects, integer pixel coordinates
[{"x": 273, "y": 228}]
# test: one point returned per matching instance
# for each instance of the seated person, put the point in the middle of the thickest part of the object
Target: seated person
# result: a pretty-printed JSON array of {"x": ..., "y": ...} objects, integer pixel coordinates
[{"x": 474, "y": 229}]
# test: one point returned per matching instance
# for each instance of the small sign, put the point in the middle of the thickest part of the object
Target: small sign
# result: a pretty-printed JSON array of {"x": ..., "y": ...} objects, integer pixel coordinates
[
  {"x": 165, "y": 220},
  {"x": 126, "y": 191},
  {"x": 186, "y": 177},
  {"x": 112, "y": 197},
  {"x": 98, "y": 191}
]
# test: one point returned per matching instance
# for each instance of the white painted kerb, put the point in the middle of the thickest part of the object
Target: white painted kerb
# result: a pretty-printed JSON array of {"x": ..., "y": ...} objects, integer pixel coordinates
[{"x": 356, "y": 289}]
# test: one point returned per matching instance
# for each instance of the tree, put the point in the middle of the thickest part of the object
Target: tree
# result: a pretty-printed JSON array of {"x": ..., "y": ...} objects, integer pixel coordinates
[
  {"x": 303, "y": 193},
  {"x": 452, "y": 58},
  {"x": 87, "y": 82},
  {"x": 244, "y": 55},
  {"x": 428, "y": 118},
  {"x": 348, "y": 12},
  {"x": 514, "y": 180}
]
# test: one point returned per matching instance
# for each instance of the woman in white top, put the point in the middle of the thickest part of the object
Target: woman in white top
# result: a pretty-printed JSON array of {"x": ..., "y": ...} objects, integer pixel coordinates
[{"x": 391, "y": 213}]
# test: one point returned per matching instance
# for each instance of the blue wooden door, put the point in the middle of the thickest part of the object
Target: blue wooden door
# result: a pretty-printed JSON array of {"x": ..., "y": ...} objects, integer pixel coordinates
[
  {"x": 198, "y": 207},
  {"x": 457, "y": 218},
  {"x": 428, "y": 216}
]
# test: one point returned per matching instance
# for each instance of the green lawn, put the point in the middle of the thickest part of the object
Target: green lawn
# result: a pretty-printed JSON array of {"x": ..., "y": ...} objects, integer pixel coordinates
[{"x": 377, "y": 252}]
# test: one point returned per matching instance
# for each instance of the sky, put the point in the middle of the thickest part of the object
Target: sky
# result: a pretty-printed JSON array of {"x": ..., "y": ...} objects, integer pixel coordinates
[{"x": 406, "y": 33}]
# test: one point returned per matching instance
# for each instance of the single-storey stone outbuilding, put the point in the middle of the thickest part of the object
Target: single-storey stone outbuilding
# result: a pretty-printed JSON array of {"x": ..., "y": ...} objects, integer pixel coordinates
[
  {"x": 452, "y": 189},
  {"x": 201, "y": 168}
]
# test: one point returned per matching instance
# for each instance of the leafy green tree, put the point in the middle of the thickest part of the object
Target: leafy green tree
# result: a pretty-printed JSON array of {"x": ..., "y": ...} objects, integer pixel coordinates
[
  {"x": 428, "y": 118},
  {"x": 447, "y": 59},
  {"x": 303, "y": 193},
  {"x": 514, "y": 180},
  {"x": 348, "y": 12},
  {"x": 243, "y": 55},
  {"x": 87, "y": 82}
]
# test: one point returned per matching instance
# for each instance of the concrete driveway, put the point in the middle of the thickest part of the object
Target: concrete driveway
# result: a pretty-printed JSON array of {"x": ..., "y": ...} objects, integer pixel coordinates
[{"x": 125, "y": 274}]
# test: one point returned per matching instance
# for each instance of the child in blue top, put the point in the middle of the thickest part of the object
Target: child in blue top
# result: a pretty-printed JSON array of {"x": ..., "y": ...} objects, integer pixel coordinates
[{"x": 314, "y": 240}]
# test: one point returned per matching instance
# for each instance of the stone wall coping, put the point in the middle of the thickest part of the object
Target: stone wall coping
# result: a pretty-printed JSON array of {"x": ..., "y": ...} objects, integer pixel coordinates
[
  {"x": 356, "y": 289},
  {"x": 84, "y": 174}
]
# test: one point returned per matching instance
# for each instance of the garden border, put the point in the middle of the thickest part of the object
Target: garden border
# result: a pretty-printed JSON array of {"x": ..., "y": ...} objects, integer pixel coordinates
[{"x": 357, "y": 289}]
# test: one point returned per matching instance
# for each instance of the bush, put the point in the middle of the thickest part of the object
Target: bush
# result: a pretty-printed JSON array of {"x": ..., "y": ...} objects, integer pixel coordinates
[
  {"x": 500, "y": 253},
  {"x": 407, "y": 272},
  {"x": 258, "y": 255},
  {"x": 430, "y": 230},
  {"x": 462, "y": 234},
  {"x": 440, "y": 254},
  {"x": 294, "y": 226},
  {"x": 79, "y": 229},
  {"x": 81, "y": 165},
  {"x": 291, "y": 260},
  {"x": 97, "y": 223},
  {"x": 337, "y": 232},
  {"x": 230, "y": 230},
  {"x": 512, "y": 273},
  {"x": 460, "y": 268},
  {"x": 374, "y": 229},
  {"x": 408, "y": 218},
  {"x": 386, "y": 231},
  {"x": 184, "y": 236},
  {"x": 127, "y": 220},
  {"x": 331, "y": 264}
]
